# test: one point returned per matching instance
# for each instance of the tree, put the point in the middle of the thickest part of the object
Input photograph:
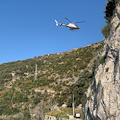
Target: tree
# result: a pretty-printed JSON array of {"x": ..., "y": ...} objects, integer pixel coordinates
[{"x": 109, "y": 9}]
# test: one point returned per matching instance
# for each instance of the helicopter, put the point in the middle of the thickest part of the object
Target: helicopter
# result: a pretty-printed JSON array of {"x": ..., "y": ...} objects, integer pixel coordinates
[{"x": 71, "y": 25}]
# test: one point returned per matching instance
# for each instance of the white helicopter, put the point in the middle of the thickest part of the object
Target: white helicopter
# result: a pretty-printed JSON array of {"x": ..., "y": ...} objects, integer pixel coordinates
[{"x": 71, "y": 25}]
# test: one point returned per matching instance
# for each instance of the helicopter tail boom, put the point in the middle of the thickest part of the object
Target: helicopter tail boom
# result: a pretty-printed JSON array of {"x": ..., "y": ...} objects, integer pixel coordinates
[{"x": 56, "y": 23}]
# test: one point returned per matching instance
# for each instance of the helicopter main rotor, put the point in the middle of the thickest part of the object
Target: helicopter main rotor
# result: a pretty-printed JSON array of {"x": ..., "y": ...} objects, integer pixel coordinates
[{"x": 73, "y": 22}]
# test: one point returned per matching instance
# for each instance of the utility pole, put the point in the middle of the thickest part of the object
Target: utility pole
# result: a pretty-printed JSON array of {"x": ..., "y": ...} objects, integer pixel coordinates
[
  {"x": 118, "y": 63},
  {"x": 73, "y": 105},
  {"x": 35, "y": 72}
]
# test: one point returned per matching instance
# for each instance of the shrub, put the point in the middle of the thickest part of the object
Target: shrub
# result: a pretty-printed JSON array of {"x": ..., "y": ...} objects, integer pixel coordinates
[
  {"x": 110, "y": 6},
  {"x": 27, "y": 115},
  {"x": 107, "y": 69},
  {"x": 106, "y": 29},
  {"x": 102, "y": 60},
  {"x": 19, "y": 97}
]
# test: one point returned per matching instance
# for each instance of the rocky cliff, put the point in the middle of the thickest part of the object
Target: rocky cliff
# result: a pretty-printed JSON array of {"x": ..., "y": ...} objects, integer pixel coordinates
[{"x": 104, "y": 94}]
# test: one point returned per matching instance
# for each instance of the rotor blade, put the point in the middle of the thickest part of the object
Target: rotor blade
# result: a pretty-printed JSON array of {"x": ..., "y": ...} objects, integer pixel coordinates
[
  {"x": 79, "y": 22},
  {"x": 68, "y": 19}
]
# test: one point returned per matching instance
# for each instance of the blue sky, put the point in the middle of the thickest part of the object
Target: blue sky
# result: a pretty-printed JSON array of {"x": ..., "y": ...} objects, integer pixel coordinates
[{"x": 27, "y": 27}]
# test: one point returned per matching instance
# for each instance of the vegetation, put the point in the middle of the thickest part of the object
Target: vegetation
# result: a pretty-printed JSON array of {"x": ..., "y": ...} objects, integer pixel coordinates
[
  {"x": 59, "y": 77},
  {"x": 64, "y": 112},
  {"x": 107, "y": 69},
  {"x": 110, "y": 6},
  {"x": 102, "y": 59},
  {"x": 106, "y": 29},
  {"x": 110, "y": 9}
]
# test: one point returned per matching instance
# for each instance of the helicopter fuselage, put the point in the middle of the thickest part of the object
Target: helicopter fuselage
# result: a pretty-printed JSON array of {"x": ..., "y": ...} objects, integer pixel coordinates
[{"x": 70, "y": 25}]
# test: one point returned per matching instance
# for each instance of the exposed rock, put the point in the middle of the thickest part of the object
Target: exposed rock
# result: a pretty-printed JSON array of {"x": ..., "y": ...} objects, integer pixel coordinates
[{"x": 104, "y": 93}]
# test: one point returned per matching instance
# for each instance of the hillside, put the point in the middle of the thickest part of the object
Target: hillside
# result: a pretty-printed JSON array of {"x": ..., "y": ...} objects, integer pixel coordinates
[{"x": 58, "y": 77}]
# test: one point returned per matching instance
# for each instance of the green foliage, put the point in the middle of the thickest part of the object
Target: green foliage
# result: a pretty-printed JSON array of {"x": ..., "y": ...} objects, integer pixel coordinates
[
  {"x": 37, "y": 98},
  {"x": 62, "y": 98},
  {"x": 55, "y": 72},
  {"x": 26, "y": 115},
  {"x": 109, "y": 9},
  {"x": 102, "y": 60},
  {"x": 106, "y": 29},
  {"x": 110, "y": 6},
  {"x": 19, "y": 97},
  {"x": 5, "y": 109},
  {"x": 64, "y": 112},
  {"x": 79, "y": 88},
  {"x": 107, "y": 69}
]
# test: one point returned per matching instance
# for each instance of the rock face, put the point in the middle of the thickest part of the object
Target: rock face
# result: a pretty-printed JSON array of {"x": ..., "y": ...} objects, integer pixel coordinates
[{"x": 104, "y": 94}]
